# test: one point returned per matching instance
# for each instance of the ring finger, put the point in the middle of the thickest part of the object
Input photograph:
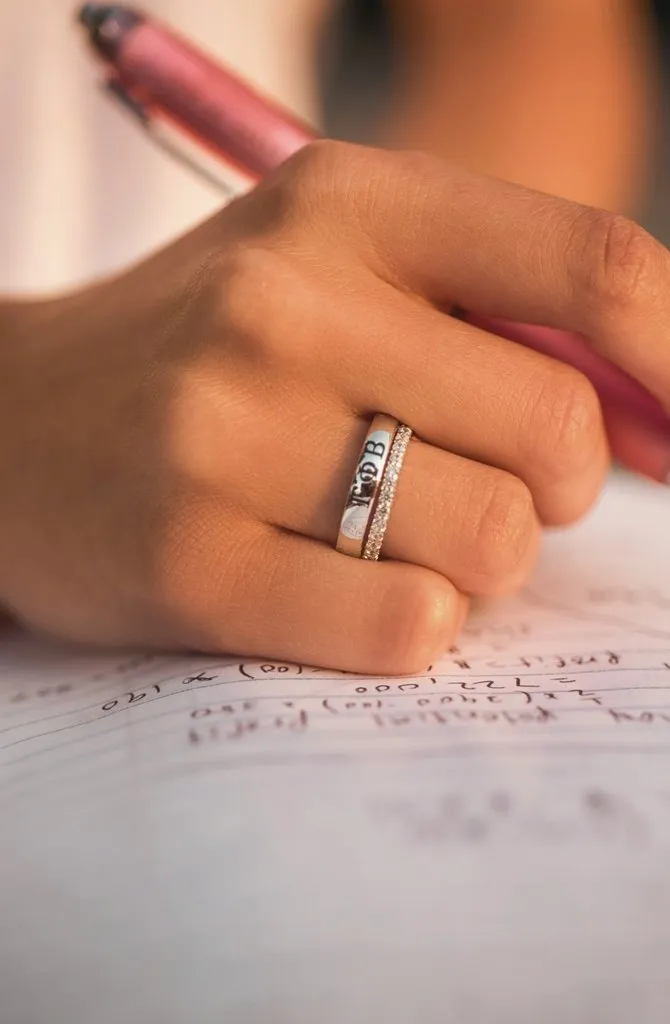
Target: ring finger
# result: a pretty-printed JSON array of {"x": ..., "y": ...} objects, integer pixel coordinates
[{"x": 474, "y": 524}]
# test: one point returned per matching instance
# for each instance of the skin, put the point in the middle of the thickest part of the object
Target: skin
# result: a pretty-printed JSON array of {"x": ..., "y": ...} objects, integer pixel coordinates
[{"x": 177, "y": 442}]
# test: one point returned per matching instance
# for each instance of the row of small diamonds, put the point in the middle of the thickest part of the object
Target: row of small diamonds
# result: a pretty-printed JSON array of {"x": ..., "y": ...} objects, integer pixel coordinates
[{"x": 380, "y": 518}]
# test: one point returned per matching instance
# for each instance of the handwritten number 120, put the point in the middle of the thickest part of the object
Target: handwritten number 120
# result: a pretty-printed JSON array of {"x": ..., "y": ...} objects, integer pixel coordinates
[{"x": 131, "y": 698}]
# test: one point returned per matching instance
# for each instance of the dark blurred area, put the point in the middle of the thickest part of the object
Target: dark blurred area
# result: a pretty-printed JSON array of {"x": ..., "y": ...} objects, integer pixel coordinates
[
  {"x": 657, "y": 217},
  {"x": 357, "y": 48},
  {"x": 355, "y": 66},
  {"x": 662, "y": 11}
]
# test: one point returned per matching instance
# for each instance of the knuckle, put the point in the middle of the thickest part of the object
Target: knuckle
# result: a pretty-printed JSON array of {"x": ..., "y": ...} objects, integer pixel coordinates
[
  {"x": 248, "y": 277},
  {"x": 267, "y": 303},
  {"x": 621, "y": 266},
  {"x": 567, "y": 420},
  {"x": 505, "y": 533},
  {"x": 319, "y": 171},
  {"x": 418, "y": 619},
  {"x": 321, "y": 156},
  {"x": 339, "y": 184}
]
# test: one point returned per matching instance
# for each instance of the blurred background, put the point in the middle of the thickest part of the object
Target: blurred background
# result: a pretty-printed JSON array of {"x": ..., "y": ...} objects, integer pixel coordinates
[
  {"x": 355, "y": 71},
  {"x": 83, "y": 193}
]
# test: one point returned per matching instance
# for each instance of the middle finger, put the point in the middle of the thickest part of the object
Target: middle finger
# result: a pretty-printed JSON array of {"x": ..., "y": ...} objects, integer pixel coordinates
[{"x": 478, "y": 395}]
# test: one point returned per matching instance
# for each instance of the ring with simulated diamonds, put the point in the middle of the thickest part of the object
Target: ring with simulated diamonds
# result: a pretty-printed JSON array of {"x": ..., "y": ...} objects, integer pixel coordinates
[
  {"x": 389, "y": 484},
  {"x": 368, "y": 481}
]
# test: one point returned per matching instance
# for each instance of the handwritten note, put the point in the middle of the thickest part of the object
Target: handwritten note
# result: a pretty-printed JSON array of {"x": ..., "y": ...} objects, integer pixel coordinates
[{"x": 207, "y": 840}]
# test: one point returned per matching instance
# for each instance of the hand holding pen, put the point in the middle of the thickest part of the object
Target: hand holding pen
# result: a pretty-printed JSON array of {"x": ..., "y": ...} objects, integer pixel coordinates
[
  {"x": 164, "y": 78},
  {"x": 270, "y": 438},
  {"x": 213, "y": 449}
]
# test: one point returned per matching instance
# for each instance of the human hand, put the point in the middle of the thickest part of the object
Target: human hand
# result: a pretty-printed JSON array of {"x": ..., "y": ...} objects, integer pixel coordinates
[{"x": 176, "y": 444}]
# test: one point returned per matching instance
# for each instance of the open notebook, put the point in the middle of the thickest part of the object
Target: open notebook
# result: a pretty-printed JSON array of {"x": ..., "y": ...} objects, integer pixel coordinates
[{"x": 216, "y": 842}]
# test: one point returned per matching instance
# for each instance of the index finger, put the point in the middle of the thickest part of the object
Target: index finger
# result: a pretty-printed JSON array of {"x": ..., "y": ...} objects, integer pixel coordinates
[{"x": 498, "y": 249}]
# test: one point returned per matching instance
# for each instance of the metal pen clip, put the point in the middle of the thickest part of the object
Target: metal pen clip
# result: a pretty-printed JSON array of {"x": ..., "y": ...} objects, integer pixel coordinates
[{"x": 166, "y": 140}]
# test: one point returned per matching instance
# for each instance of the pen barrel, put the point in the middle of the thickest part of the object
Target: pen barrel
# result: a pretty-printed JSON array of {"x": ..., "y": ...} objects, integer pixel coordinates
[{"x": 177, "y": 80}]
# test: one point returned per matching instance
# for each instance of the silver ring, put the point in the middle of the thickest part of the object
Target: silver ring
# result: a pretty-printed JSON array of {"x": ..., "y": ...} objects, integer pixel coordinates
[
  {"x": 382, "y": 512},
  {"x": 368, "y": 506},
  {"x": 365, "y": 485}
]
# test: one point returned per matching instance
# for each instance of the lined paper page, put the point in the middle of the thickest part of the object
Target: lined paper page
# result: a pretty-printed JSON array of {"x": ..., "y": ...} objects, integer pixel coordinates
[{"x": 199, "y": 839}]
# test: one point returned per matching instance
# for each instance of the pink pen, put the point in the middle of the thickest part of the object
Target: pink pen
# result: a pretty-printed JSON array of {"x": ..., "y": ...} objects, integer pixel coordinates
[
  {"x": 163, "y": 76},
  {"x": 160, "y": 75}
]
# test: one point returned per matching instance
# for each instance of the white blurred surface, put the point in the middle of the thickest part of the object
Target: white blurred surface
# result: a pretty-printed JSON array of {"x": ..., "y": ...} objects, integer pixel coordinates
[
  {"x": 261, "y": 844},
  {"x": 81, "y": 191}
]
